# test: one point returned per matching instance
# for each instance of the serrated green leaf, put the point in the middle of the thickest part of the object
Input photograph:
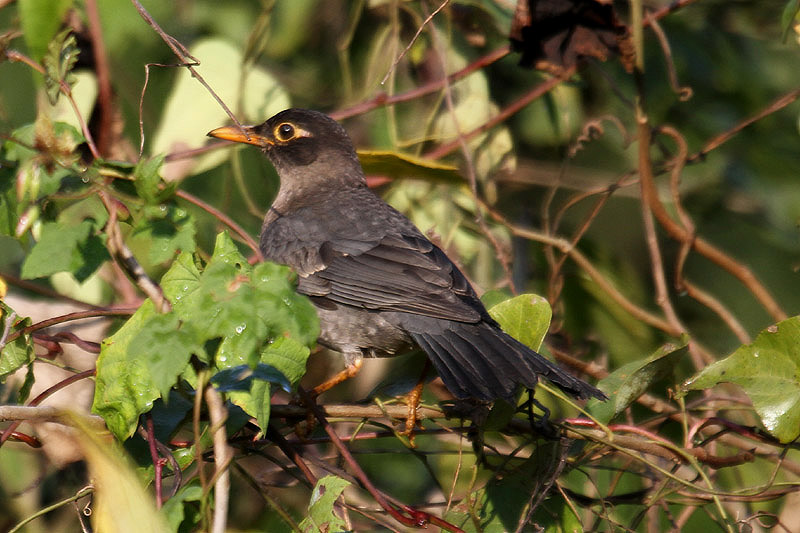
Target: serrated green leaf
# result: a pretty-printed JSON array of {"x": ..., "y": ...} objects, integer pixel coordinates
[
  {"x": 90, "y": 208},
  {"x": 124, "y": 387},
  {"x": 321, "y": 518},
  {"x": 283, "y": 362},
  {"x": 259, "y": 327},
  {"x": 281, "y": 307},
  {"x": 19, "y": 352},
  {"x": 165, "y": 345},
  {"x": 225, "y": 251},
  {"x": 162, "y": 231},
  {"x": 288, "y": 356},
  {"x": 525, "y": 317},
  {"x": 147, "y": 180},
  {"x": 66, "y": 248},
  {"x": 62, "y": 54},
  {"x": 769, "y": 372},
  {"x": 181, "y": 281},
  {"x": 627, "y": 383}
]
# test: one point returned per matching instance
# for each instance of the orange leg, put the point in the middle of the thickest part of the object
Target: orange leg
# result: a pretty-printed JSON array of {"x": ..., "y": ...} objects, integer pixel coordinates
[
  {"x": 412, "y": 401},
  {"x": 344, "y": 375}
]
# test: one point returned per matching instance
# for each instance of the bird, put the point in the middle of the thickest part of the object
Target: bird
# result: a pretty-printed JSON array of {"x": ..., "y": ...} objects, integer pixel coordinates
[{"x": 379, "y": 285}]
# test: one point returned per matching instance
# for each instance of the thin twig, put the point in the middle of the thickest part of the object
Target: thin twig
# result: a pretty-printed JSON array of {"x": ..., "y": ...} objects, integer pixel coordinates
[
  {"x": 183, "y": 55},
  {"x": 120, "y": 251},
  {"x": 101, "y": 68},
  {"x": 382, "y": 99},
  {"x": 413, "y": 40},
  {"x": 222, "y": 457},
  {"x": 225, "y": 219},
  {"x": 77, "y": 315}
]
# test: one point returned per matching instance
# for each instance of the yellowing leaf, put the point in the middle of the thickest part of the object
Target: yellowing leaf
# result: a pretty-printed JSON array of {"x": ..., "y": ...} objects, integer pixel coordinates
[
  {"x": 121, "y": 504},
  {"x": 399, "y": 165}
]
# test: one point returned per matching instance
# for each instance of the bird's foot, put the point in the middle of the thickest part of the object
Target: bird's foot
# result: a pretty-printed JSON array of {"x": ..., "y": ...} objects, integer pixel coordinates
[
  {"x": 412, "y": 421},
  {"x": 350, "y": 371},
  {"x": 542, "y": 425}
]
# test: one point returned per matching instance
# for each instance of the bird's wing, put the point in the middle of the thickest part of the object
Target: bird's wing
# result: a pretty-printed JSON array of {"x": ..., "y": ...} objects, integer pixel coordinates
[{"x": 405, "y": 273}]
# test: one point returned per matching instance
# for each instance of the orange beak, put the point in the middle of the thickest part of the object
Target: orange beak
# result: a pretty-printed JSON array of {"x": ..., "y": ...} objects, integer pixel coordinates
[{"x": 245, "y": 134}]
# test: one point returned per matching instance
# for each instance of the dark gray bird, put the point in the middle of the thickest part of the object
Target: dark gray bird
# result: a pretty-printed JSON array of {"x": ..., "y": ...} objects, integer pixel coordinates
[{"x": 378, "y": 283}]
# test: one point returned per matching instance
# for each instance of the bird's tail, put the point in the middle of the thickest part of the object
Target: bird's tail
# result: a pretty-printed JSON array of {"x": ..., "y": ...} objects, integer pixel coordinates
[{"x": 481, "y": 361}]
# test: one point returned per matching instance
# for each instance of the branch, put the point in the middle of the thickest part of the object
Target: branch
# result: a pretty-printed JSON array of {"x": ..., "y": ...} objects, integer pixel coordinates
[{"x": 222, "y": 457}]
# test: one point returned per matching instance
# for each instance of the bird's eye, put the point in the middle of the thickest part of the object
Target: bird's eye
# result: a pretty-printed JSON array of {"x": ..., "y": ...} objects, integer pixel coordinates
[{"x": 285, "y": 132}]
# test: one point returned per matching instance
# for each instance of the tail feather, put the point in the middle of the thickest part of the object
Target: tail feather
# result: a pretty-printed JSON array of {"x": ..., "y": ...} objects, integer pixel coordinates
[
  {"x": 481, "y": 361},
  {"x": 455, "y": 376},
  {"x": 461, "y": 351}
]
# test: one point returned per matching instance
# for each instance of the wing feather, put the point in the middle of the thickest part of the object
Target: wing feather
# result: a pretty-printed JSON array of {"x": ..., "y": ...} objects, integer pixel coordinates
[{"x": 398, "y": 273}]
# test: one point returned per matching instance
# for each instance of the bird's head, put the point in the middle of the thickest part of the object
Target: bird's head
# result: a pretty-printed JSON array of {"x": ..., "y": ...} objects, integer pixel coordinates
[{"x": 303, "y": 145}]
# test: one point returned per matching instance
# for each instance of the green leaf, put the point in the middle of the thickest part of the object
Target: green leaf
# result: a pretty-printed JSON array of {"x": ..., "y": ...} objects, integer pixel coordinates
[
  {"x": 40, "y": 22},
  {"x": 19, "y": 352},
  {"x": 175, "y": 509},
  {"x": 66, "y": 248},
  {"x": 164, "y": 345},
  {"x": 259, "y": 328},
  {"x": 27, "y": 385},
  {"x": 255, "y": 402},
  {"x": 250, "y": 389},
  {"x": 282, "y": 308},
  {"x": 399, "y": 165},
  {"x": 525, "y": 317},
  {"x": 283, "y": 362},
  {"x": 288, "y": 356},
  {"x": 181, "y": 281},
  {"x": 627, "y": 383},
  {"x": 147, "y": 180},
  {"x": 321, "y": 518},
  {"x": 124, "y": 387},
  {"x": 162, "y": 231},
  {"x": 90, "y": 208},
  {"x": 225, "y": 251},
  {"x": 62, "y": 54},
  {"x": 769, "y": 372}
]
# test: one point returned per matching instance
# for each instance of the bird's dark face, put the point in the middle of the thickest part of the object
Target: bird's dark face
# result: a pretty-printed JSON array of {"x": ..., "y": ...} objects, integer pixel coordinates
[{"x": 296, "y": 140}]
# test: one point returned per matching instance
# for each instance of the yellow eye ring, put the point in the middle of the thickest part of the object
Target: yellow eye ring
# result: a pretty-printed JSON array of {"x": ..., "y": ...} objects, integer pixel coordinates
[{"x": 285, "y": 132}]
